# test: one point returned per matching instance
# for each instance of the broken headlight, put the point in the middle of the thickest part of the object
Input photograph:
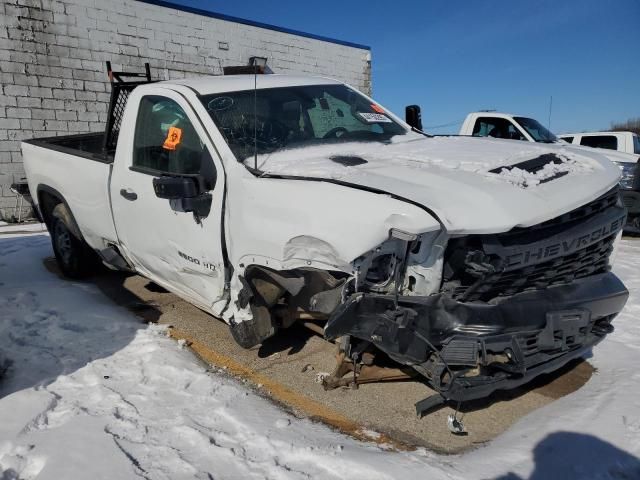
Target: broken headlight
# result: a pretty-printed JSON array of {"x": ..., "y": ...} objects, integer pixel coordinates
[
  {"x": 414, "y": 261},
  {"x": 629, "y": 171},
  {"x": 376, "y": 269},
  {"x": 381, "y": 270}
]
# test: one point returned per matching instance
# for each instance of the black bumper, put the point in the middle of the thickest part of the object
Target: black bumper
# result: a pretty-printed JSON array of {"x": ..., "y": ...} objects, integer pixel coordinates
[{"x": 537, "y": 331}]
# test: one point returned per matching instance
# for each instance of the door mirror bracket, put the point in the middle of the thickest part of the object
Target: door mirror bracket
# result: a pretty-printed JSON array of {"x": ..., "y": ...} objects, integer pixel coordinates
[{"x": 199, "y": 205}]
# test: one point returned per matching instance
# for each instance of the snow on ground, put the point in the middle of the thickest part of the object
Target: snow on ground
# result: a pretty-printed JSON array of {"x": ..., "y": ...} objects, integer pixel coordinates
[
  {"x": 22, "y": 227},
  {"x": 94, "y": 393}
]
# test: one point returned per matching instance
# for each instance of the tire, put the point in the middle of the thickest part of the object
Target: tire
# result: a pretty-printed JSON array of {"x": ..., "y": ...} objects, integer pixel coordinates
[
  {"x": 75, "y": 258},
  {"x": 250, "y": 333}
]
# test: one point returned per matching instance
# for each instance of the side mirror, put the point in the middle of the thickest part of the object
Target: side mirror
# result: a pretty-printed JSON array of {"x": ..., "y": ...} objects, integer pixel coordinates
[
  {"x": 413, "y": 116},
  {"x": 174, "y": 188},
  {"x": 185, "y": 194}
]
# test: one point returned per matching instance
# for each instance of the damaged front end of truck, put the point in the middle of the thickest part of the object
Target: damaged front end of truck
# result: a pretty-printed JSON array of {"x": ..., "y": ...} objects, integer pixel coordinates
[
  {"x": 469, "y": 314},
  {"x": 510, "y": 307}
]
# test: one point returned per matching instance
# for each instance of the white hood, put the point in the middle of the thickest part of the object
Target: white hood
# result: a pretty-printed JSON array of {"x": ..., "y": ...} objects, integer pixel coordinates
[{"x": 452, "y": 176}]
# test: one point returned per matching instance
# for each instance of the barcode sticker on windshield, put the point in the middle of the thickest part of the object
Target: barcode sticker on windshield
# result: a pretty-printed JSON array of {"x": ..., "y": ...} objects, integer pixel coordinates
[{"x": 374, "y": 118}]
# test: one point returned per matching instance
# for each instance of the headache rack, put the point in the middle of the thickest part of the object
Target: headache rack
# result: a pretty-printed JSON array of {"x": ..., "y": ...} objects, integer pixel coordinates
[{"x": 121, "y": 86}]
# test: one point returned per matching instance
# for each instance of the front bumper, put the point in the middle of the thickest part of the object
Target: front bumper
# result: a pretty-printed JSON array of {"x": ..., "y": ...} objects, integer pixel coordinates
[{"x": 469, "y": 350}]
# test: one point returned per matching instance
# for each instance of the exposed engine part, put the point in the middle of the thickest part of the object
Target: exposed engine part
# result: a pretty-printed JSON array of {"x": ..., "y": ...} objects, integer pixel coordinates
[{"x": 355, "y": 366}]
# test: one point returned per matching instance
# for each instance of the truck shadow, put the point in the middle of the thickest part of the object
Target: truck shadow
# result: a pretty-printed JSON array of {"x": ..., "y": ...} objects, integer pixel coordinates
[
  {"x": 554, "y": 385},
  {"x": 49, "y": 326},
  {"x": 292, "y": 340},
  {"x": 571, "y": 455}
]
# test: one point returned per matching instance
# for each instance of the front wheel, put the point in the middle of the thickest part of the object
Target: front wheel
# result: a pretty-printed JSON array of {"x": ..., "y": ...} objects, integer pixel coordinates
[
  {"x": 250, "y": 333},
  {"x": 74, "y": 256}
]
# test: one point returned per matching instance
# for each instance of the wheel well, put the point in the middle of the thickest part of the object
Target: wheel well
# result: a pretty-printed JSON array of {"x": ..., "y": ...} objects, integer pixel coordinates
[{"x": 47, "y": 201}]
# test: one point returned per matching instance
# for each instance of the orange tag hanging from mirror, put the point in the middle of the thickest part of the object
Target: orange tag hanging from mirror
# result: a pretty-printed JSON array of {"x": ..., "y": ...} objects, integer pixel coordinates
[{"x": 173, "y": 138}]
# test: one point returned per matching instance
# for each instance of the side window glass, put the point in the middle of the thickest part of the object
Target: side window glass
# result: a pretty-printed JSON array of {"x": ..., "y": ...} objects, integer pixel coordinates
[
  {"x": 609, "y": 142},
  {"x": 165, "y": 139},
  {"x": 513, "y": 133},
  {"x": 482, "y": 127},
  {"x": 567, "y": 139},
  {"x": 636, "y": 145},
  {"x": 496, "y": 128}
]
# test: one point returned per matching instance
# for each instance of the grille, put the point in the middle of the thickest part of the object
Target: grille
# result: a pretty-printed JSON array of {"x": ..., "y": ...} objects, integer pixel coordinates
[
  {"x": 473, "y": 275},
  {"x": 591, "y": 260},
  {"x": 628, "y": 201}
]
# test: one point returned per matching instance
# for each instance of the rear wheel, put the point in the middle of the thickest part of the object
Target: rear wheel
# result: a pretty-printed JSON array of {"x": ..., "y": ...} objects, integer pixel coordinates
[{"x": 74, "y": 256}]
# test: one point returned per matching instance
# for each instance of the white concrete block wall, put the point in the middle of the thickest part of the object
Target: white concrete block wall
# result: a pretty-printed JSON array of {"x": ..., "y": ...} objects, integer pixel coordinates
[{"x": 53, "y": 52}]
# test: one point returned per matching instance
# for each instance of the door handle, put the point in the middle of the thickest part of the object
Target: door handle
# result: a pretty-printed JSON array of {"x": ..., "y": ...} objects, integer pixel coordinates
[{"x": 128, "y": 194}]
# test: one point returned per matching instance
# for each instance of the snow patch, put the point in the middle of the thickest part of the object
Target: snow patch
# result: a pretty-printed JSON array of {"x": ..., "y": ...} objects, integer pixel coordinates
[
  {"x": 112, "y": 397},
  {"x": 525, "y": 179}
]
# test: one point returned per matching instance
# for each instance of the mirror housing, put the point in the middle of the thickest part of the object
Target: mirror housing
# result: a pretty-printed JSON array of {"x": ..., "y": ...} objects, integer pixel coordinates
[
  {"x": 413, "y": 116},
  {"x": 174, "y": 188},
  {"x": 186, "y": 193}
]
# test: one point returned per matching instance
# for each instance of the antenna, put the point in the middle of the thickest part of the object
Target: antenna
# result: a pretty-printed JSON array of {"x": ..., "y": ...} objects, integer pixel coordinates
[
  {"x": 255, "y": 117},
  {"x": 550, "y": 107}
]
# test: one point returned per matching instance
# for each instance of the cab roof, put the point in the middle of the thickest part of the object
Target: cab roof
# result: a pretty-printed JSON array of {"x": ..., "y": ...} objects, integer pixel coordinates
[{"x": 233, "y": 83}]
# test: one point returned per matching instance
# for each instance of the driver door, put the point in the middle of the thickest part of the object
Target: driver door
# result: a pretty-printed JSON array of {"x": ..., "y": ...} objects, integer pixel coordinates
[{"x": 176, "y": 249}]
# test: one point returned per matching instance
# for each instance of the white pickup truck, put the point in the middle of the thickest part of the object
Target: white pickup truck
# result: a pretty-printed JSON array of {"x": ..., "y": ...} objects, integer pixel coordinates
[
  {"x": 518, "y": 127},
  {"x": 263, "y": 199},
  {"x": 626, "y": 142}
]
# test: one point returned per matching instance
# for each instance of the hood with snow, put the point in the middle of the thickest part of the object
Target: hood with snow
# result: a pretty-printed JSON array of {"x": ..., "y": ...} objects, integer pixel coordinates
[{"x": 473, "y": 185}]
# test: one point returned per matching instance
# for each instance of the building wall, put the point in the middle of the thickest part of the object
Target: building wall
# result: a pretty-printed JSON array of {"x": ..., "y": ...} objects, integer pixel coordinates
[{"x": 52, "y": 62}]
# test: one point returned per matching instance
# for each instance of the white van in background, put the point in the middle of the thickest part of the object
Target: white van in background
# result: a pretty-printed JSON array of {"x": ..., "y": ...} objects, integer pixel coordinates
[{"x": 627, "y": 142}]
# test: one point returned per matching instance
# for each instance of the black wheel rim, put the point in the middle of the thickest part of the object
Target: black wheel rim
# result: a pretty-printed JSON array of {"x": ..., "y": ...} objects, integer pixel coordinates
[{"x": 63, "y": 242}]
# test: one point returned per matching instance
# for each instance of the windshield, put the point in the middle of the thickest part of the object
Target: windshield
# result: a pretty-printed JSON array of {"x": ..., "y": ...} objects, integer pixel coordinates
[
  {"x": 536, "y": 130},
  {"x": 273, "y": 119}
]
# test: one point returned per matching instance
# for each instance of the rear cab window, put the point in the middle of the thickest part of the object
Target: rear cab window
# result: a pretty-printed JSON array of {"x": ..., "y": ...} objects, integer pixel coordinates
[{"x": 610, "y": 142}]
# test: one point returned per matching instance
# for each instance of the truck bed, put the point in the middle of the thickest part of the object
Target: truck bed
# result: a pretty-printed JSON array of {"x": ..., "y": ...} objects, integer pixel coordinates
[
  {"x": 75, "y": 169},
  {"x": 86, "y": 145}
]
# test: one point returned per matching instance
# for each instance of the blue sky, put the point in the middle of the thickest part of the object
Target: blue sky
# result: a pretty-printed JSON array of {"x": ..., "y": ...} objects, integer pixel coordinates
[{"x": 453, "y": 57}]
